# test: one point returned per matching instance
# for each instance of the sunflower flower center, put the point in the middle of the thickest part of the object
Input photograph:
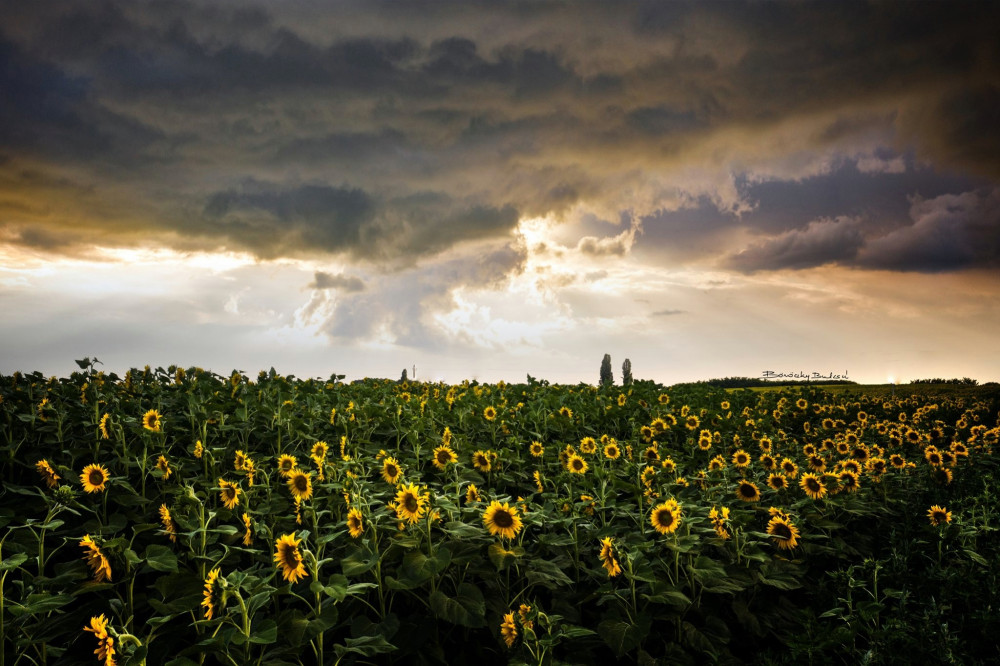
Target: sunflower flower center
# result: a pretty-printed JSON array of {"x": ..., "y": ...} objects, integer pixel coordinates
[{"x": 502, "y": 519}]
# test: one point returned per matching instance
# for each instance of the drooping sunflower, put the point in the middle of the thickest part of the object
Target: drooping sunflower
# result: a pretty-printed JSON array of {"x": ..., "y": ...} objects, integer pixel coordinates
[
  {"x": 199, "y": 449},
  {"x": 300, "y": 484},
  {"x": 104, "y": 426},
  {"x": 286, "y": 463},
  {"x": 443, "y": 456},
  {"x": 288, "y": 558},
  {"x": 784, "y": 532},
  {"x": 536, "y": 449},
  {"x": 247, "y": 530},
  {"x": 96, "y": 560},
  {"x": 152, "y": 421},
  {"x": 576, "y": 465},
  {"x": 105, "y": 642},
  {"x": 481, "y": 461},
  {"x": 410, "y": 503},
  {"x": 48, "y": 474},
  {"x": 472, "y": 494},
  {"x": 391, "y": 471},
  {"x": 537, "y": 476},
  {"x": 489, "y": 413},
  {"x": 812, "y": 485},
  {"x": 612, "y": 451},
  {"x": 168, "y": 523},
  {"x": 502, "y": 520},
  {"x": 938, "y": 515},
  {"x": 163, "y": 465},
  {"x": 747, "y": 491},
  {"x": 355, "y": 524},
  {"x": 94, "y": 478},
  {"x": 666, "y": 517},
  {"x": 777, "y": 481},
  {"x": 229, "y": 493},
  {"x": 608, "y": 560},
  {"x": 212, "y": 595},
  {"x": 508, "y": 629},
  {"x": 239, "y": 461}
]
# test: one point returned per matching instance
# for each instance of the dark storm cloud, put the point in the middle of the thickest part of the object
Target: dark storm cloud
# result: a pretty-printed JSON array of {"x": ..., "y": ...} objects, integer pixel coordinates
[
  {"x": 945, "y": 233},
  {"x": 340, "y": 282},
  {"x": 390, "y": 132}
]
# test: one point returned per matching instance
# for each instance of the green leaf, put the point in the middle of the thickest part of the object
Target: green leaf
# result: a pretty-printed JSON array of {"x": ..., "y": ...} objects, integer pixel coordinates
[
  {"x": 358, "y": 562},
  {"x": 40, "y": 603},
  {"x": 13, "y": 562},
  {"x": 367, "y": 646},
  {"x": 266, "y": 633},
  {"x": 467, "y": 609},
  {"x": 620, "y": 636},
  {"x": 161, "y": 558}
]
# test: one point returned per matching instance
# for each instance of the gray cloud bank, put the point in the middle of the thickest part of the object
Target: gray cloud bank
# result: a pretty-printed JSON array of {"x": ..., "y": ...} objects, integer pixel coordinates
[{"x": 388, "y": 132}]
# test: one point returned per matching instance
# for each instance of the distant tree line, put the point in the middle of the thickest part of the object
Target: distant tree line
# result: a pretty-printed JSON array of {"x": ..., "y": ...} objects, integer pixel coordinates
[
  {"x": 964, "y": 381},
  {"x": 751, "y": 382}
]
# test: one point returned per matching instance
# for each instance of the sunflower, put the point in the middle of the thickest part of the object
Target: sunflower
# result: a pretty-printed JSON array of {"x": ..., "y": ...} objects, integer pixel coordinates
[
  {"x": 94, "y": 478},
  {"x": 784, "y": 532},
  {"x": 508, "y": 629},
  {"x": 608, "y": 560},
  {"x": 812, "y": 485},
  {"x": 666, "y": 517},
  {"x": 288, "y": 558},
  {"x": 481, "y": 461},
  {"x": 938, "y": 515},
  {"x": 354, "y": 522},
  {"x": 444, "y": 455},
  {"x": 472, "y": 494},
  {"x": 286, "y": 464},
  {"x": 104, "y": 426},
  {"x": 229, "y": 493},
  {"x": 213, "y": 593},
  {"x": 817, "y": 464},
  {"x": 300, "y": 484},
  {"x": 612, "y": 451},
  {"x": 576, "y": 465},
  {"x": 663, "y": 399},
  {"x": 248, "y": 530},
  {"x": 152, "y": 420},
  {"x": 239, "y": 461},
  {"x": 489, "y": 413},
  {"x": 789, "y": 468},
  {"x": 105, "y": 643},
  {"x": 168, "y": 522},
  {"x": 48, "y": 474},
  {"x": 536, "y": 449},
  {"x": 391, "y": 471},
  {"x": 96, "y": 560},
  {"x": 849, "y": 480},
  {"x": 777, "y": 481},
  {"x": 801, "y": 403},
  {"x": 651, "y": 454},
  {"x": 410, "y": 504},
  {"x": 163, "y": 465},
  {"x": 765, "y": 444},
  {"x": 692, "y": 422},
  {"x": 566, "y": 412},
  {"x": 199, "y": 449},
  {"x": 748, "y": 491},
  {"x": 250, "y": 468},
  {"x": 942, "y": 475},
  {"x": 897, "y": 461},
  {"x": 741, "y": 459},
  {"x": 588, "y": 445},
  {"x": 319, "y": 451},
  {"x": 502, "y": 520}
]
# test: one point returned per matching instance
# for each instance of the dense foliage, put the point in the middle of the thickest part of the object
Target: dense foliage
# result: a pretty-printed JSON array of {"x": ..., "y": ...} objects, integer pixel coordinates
[{"x": 181, "y": 517}]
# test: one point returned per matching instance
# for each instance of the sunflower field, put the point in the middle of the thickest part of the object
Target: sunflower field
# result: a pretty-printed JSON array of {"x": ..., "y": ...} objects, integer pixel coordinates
[{"x": 176, "y": 516}]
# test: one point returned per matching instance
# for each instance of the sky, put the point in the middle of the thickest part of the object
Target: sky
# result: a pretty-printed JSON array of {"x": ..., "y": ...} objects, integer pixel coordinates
[{"x": 488, "y": 190}]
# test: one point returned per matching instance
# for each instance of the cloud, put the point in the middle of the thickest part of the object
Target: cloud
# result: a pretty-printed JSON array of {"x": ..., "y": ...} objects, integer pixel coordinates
[
  {"x": 668, "y": 313},
  {"x": 340, "y": 282},
  {"x": 949, "y": 232},
  {"x": 820, "y": 242}
]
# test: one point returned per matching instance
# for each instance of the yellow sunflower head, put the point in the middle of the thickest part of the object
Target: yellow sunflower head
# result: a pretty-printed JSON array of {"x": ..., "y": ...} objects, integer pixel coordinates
[
  {"x": 443, "y": 456},
  {"x": 94, "y": 478},
  {"x": 229, "y": 493},
  {"x": 300, "y": 484},
  {"x": 288, "y": 558},
  {"x": 152, "y": 421},
  {"x": 747, "y": 491},
  {"x": 355, "y": 524},
  {"x": 48, "y": 474},
  {"x": 286, "y": 463},
  {"x": 783, "y": 532},
  {"x": 938, "y": 515},
  {"x": 502, "y": 520},
  {"x": 576, "y": 465},
  {"x": 666, "y": 517},
  {"x": 481, "y": 461},
  {"x": 410, "y": 503},
  {"x": 212, "y": 595}
]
